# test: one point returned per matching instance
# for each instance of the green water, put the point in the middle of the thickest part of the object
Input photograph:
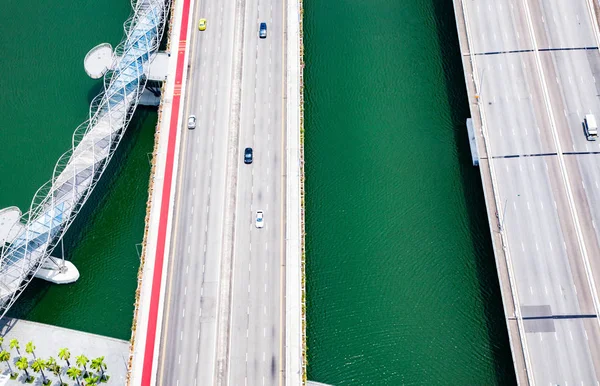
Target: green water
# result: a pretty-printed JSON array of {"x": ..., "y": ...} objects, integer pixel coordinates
[
  {"x": 45, "y": 95},
  {"x": 402, "y": 287}
]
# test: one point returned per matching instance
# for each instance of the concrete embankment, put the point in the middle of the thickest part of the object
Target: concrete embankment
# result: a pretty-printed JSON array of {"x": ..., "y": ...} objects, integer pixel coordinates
[
  {"x": 295, "y": 359},
  {"x": 502, "y": 265}
]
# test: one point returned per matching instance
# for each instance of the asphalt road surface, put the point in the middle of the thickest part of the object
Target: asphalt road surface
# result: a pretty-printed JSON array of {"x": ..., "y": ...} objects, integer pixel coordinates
[
  {"x": 223, "y": 320},
  {"x": 538, "y": 65}
]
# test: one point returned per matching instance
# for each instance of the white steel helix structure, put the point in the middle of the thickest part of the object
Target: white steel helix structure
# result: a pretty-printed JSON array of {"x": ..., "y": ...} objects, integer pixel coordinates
[{"x": 56, "y": 204}]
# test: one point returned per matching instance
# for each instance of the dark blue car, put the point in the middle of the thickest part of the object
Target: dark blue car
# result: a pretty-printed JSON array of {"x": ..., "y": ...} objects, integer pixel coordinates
[{"x": 262, "y": 32}]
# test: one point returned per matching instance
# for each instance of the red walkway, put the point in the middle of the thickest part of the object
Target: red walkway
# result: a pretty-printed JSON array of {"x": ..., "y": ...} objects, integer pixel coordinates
[{"x": 166, "y": 198}]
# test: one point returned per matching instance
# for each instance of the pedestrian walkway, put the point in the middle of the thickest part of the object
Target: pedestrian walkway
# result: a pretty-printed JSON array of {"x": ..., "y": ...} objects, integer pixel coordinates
[{"x": 48, "y": 340}]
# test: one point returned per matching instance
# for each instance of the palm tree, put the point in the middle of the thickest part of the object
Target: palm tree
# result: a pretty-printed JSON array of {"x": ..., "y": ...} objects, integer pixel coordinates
[
  {"x": 15, "y": 344},
  {"x": 38, "y": 366},
  {"x": 82, "y": 361},
  {"x": 98, "y": 364},
  {"x": 74, "y": 373},
  {"x": 65, "y": 354},
  {"x": 23, "y": 364},
  {"x": 5, "y": 357},
  {"x": 30, "y": 349},
  {"x": 1, "y": 342},
  {"x": 90, "y": 379},
  {"x": 55, "y": 368}
]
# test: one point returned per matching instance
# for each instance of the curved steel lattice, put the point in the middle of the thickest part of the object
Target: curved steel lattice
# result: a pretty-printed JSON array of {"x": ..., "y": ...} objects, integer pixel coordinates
[{"x": 56, "y": 204}]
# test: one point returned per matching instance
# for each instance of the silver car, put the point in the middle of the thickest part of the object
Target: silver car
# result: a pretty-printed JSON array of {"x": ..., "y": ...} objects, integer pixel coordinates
[
  {"x": 259, "y": 219},
  {"x": 192, "y": 122}
]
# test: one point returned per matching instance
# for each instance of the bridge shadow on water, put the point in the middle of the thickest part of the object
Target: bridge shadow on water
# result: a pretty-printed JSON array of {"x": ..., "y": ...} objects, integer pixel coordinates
[
  {"x": 37, "y": 289},
  {"x": 473, "y": 194}
]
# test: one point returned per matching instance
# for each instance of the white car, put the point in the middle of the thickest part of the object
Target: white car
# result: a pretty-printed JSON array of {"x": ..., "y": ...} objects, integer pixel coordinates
[
  {"x": 260, "y": 222},
  {"x": 192, "y": 122}
]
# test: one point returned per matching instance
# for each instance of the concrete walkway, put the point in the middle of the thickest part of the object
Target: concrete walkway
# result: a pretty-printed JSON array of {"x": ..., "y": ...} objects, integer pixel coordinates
[
  {"x": 294, "y": 227},
  {"x": 49, "y": 339}
]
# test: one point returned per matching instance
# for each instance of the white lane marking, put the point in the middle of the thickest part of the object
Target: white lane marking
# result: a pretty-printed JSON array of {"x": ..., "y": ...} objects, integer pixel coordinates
[
  {"x": 189, "y": 248},
  {"x": 183, "y": 313},
  {"x": 185, "y": 291}
]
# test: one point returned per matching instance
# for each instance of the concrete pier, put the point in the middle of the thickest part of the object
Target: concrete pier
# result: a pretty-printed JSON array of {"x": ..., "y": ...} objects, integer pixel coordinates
[
  {"x": 48, "y": 340},
  {"x": 9, "y": 224},
  {"x": 98, "y": 61}
]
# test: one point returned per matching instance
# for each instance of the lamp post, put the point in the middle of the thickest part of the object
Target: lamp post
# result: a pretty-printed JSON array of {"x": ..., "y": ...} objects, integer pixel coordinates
[
  {"x": 478, "y": 95},
  {"x": 501, "y": 220}
]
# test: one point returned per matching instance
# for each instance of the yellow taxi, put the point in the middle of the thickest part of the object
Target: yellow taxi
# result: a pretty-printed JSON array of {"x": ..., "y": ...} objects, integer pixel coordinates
[{"x": 202, "y": 24}]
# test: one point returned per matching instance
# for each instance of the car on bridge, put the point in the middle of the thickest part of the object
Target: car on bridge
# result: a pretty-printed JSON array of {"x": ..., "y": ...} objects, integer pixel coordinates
[
  {"x": 262, "y": 30},
  {"x": 248, "y": 155},
  {"x": 202, "y": 24},
  {"x": 192, "y": 122},
  {"x": 260, "y": 219}
]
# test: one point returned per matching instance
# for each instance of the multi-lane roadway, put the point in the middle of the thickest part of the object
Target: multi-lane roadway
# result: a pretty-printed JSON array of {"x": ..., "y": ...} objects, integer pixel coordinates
[
  {"x": 224, "y": 302},
  {"x": 538, "y": 68}
]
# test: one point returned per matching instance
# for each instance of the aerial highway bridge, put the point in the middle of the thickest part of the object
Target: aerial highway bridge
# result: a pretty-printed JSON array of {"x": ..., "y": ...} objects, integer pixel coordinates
[{"x": 532, "y": 71}]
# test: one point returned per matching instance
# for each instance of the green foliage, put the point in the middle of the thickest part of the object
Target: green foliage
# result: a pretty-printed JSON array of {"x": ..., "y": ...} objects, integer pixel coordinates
[
  {"x": 23, "y": 364},
  {"x": 64, "y": 354},
  {"x": 98, "y": 364},
  {"x": 82, "y": 361},
  {"x": 5, "y": 357},
  {"x": 74, "y": 373},
  {"x": 30, "y": 348},
  {"x": 15, "y": 344}
]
